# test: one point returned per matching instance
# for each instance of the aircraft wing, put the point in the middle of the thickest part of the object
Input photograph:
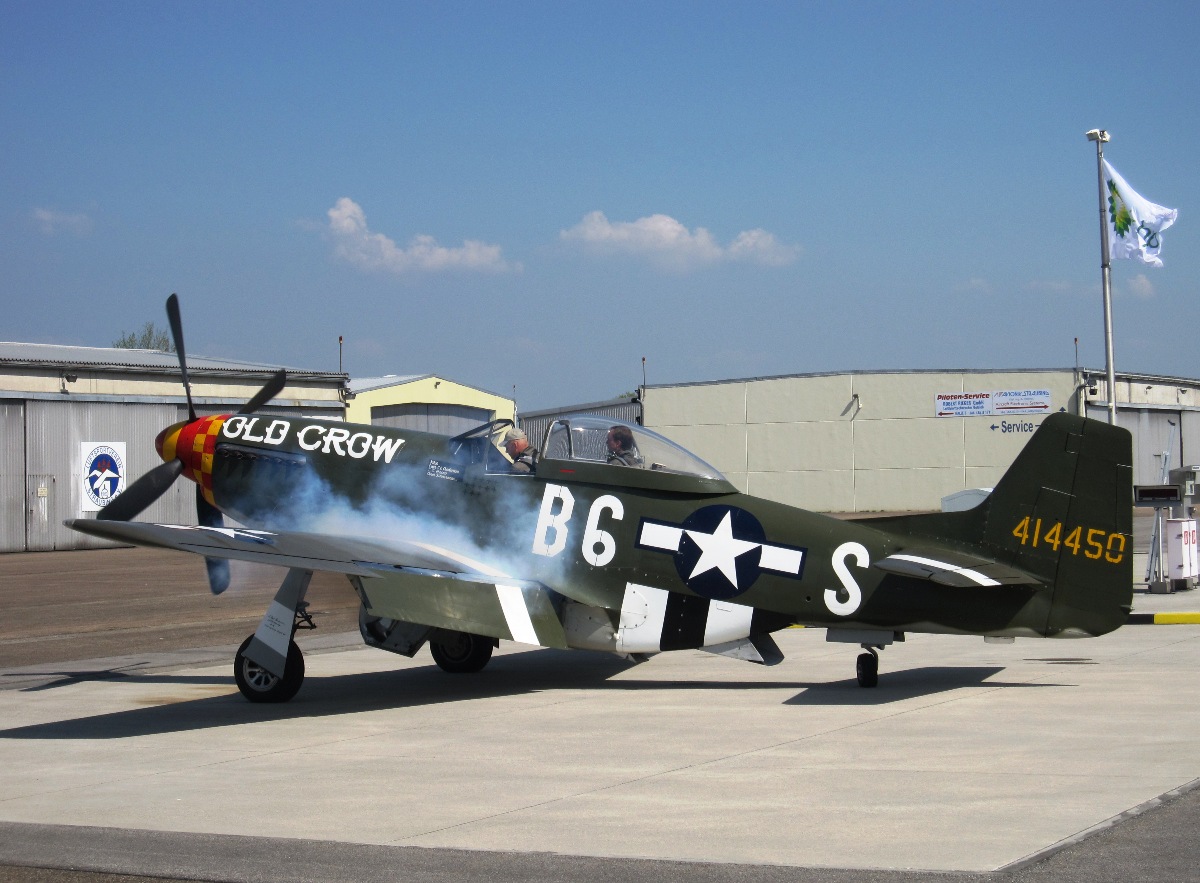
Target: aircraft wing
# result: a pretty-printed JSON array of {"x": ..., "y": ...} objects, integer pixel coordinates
[
  {"x": 292, "y": 549},
  {"x": 955, "y": 569},
  {"x": 413, "y": 581}
]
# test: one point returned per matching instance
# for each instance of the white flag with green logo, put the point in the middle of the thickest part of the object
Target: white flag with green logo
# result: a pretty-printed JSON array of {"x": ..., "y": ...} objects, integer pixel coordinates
[{"x": 1135, "y": 224}]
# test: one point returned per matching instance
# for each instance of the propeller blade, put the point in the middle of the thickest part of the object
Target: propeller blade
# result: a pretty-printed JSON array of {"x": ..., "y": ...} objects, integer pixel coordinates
[
  {"x": 270, "y": 389},
  {"x": 142, "y": 492},
  {"x": 206, "y": 513},
  {"x": 218, "y": 568},
  {"x": 218, "y": 574},
  {"x": 176, "y": 323}
]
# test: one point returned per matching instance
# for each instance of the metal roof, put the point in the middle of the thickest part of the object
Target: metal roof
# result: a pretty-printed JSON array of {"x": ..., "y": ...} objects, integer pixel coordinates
[
  {"x": 365, "y": 384},
  {"x": 1091, "y": 372},
  {"x": 587, "y": 406},
  {"x": 48, "y": 355}
]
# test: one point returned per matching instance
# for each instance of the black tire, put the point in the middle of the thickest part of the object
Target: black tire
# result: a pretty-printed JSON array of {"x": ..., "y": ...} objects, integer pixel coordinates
[
  {"x": 461, "y": 653},
  {"x": 259, "y": 685},
  {"x": 868, "y": 670}
]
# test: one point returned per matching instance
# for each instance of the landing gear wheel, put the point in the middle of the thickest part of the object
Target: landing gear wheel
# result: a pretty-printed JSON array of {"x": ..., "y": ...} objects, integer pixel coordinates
[
  {"x": 868, "y": 670},
  {"x": 259, "y": 685},
  {"x": 460, "y": 653}
]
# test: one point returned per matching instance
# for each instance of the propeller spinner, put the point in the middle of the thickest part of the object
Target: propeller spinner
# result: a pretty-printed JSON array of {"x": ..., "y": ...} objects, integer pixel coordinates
[{"x": 187, "y": 448}]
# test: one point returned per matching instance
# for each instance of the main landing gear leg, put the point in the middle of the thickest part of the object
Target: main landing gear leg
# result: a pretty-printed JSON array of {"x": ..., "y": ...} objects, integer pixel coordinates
[
  {"x": 868, "y": 667},
  {"x": 269, "y": 667}
]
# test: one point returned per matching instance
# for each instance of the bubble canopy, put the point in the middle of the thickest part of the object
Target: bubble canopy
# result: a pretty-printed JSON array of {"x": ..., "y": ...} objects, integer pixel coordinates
[{"x": 585, "y": 439}]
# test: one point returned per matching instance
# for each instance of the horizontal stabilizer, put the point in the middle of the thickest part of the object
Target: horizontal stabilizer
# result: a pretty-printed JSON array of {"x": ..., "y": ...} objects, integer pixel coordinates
[{"x": 954, "y": 569}]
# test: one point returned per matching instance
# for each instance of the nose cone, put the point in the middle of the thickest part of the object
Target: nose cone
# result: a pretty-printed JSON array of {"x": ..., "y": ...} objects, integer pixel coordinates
[{"x": 167, "y": 442}]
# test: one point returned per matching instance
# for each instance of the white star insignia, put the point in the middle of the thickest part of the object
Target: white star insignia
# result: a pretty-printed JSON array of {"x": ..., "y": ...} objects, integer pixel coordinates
[{"x": 720, "y": 550}]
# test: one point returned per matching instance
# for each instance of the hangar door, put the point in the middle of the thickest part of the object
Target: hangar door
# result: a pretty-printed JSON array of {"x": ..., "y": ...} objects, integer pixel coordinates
[
  {"x": 12, "y": 476},
  {"x": 436, "y": 418},
  {"x": 1154, "y": 433},
  {"x": 53, "y": 475}
]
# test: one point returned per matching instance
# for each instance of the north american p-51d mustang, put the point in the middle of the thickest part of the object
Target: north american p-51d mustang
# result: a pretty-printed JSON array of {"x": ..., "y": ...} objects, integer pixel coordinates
[{"x": 445, "y": 544}]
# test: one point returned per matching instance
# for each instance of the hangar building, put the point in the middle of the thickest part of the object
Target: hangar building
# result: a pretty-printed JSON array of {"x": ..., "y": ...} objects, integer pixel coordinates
[
  {"x": 55, "y": 401},
  {"x": 895, "y": 441},
  {"x": 425, "y": 402}
]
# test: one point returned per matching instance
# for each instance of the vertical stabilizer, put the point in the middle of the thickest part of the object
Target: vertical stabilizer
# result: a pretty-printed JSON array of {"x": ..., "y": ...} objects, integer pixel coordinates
[{"x": 1064, "y": 512}]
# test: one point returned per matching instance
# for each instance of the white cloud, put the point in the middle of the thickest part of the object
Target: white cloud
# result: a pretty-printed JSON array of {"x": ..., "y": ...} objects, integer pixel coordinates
[
  {"x": 1140, "y": 287},
  {"x": 668, "y": 242},
  {"x": 1050, "y": 286},
  {"x": 357, "y": 245},
  {"x": 974, "y": 285},
  {"x": 51, "y": 222}
]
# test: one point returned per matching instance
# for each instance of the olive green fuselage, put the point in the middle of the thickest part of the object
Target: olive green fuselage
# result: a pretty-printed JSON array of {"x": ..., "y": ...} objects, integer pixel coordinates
[{"x": 590, "y": 531}]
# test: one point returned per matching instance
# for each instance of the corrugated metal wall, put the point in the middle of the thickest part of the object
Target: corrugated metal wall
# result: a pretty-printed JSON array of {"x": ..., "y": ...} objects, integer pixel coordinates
[
  {"x": 439, "y": 418},
  {"x": 1154, "y": 432},
  {"x": 12, "y": 476},
  {"x": 53, "y": 433},
  {"x": 41, "y": 473},
  {"x": 537, "y": 424}
]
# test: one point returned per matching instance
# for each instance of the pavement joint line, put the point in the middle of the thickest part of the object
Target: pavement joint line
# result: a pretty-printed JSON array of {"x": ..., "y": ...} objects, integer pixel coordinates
[
  {"x": 1145, "y": 806},
  {"x": 1135, "y": 653},
  {"x": 692, "y": 766}
]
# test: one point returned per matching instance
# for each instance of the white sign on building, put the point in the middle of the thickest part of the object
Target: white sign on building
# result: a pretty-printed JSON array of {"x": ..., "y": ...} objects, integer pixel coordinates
[
  {"x": 990, "y": 404},
  {"x": 963, "y": 404}
]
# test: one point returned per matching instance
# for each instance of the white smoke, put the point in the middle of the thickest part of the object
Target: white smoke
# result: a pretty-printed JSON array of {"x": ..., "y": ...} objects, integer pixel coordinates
[{"x": 489, "y": 533}]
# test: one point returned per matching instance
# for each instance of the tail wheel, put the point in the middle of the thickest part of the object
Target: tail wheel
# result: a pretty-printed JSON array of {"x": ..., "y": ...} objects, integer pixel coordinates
[
  {"x": 259, "y": 685},
  {"x": 868, "y": 670},
  {"x": 461, "y": 653}
]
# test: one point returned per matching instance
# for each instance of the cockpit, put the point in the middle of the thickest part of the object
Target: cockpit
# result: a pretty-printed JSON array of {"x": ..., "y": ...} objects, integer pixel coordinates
[
  {"x": 576, "y": 443},
  {"x": 618, "y": 443}
]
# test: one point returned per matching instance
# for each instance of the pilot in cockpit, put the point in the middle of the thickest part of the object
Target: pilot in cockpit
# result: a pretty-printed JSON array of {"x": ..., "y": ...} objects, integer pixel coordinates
[
  {"x": 522, "y": 454},
  {"x": 621, "y": 449}
]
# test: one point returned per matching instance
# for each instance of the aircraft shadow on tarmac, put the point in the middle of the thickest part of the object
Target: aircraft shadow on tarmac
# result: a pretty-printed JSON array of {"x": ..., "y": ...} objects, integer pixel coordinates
[
  {"x": 509, "y": 675},
  {"x": 912, "y": 683},
  {"x": 110, "y": 675}
]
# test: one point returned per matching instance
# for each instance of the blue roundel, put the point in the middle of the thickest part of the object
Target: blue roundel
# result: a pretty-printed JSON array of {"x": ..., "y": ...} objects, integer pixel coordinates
[{"x": 719, "y": 551}]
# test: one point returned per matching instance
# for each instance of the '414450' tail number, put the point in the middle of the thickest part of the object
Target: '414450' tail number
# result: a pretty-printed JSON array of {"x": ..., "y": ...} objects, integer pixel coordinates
[{"x": 1093, "y": 542}]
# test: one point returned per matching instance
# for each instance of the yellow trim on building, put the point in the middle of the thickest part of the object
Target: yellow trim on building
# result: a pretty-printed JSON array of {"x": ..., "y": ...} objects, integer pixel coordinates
[{"x": 427, "y": 390}]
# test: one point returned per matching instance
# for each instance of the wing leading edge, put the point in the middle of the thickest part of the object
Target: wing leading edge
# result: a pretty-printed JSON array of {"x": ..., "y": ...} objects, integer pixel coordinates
[{"x": 304, "y": 551}]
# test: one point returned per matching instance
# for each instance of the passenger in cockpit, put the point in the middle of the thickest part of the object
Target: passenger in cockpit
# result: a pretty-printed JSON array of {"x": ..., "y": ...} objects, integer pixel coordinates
[{"x": 621, "y": 450}]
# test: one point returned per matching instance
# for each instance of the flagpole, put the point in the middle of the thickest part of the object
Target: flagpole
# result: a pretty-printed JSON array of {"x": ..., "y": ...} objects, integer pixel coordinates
[{"x": 1100, "y": 136}]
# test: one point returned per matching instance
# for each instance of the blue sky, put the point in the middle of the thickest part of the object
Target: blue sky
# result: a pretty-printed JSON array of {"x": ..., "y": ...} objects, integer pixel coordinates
[{"x": 539, "y": 195}]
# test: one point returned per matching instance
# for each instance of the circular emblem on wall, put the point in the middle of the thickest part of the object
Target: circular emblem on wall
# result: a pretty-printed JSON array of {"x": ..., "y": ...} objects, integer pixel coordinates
[{"x": 103, "y": 474}]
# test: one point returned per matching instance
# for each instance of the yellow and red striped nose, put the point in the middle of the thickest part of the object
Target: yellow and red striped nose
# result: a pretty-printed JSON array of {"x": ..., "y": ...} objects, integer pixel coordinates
[
  {"x": 167, "y": 441},
  {"x": 193, "y": 444}
]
